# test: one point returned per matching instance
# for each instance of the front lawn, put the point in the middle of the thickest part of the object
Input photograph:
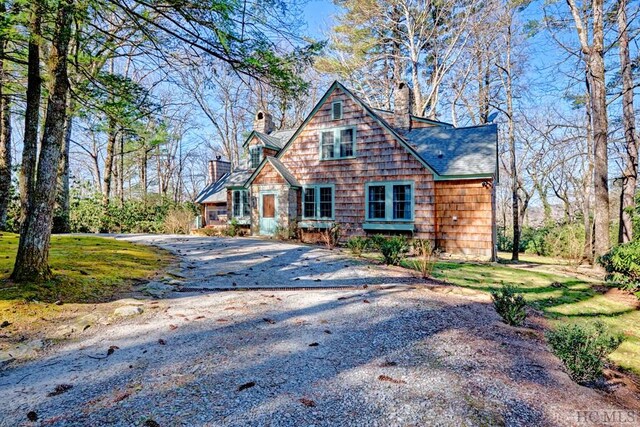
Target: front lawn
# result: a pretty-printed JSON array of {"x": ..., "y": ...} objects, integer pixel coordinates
[
  {"x": 561, "y": 297},
  {"x": 88, "y": 271}
]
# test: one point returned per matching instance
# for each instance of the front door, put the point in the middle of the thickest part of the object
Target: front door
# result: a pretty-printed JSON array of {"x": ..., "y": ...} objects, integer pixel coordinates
[{"x": 268, "y": 213}]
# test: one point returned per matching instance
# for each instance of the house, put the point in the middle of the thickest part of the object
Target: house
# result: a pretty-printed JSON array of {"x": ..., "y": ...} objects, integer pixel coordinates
[{"x": 370, "y": 171}]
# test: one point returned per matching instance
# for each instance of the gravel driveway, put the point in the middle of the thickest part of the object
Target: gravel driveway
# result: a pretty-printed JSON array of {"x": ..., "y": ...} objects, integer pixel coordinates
[{"x": 393, "y": 353}]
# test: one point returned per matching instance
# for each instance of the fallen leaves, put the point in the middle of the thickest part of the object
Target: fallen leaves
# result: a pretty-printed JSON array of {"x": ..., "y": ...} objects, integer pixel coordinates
[
  {"x": 269, "y": 321},
  {"x": 314, "y": 344},
  {"x": 391, "y": 380},
  {"x": 307, "y": 402},
  {"x": 112, "y": 350},
  {"x": 388, "y": 363},
  {"x": 246, "y": 385},
  {"x": 32, "y": 416},
  {"x": 59, "y": 389},
  {"x": 162, "y": 342},
  {"x": 173, "y": 327}
]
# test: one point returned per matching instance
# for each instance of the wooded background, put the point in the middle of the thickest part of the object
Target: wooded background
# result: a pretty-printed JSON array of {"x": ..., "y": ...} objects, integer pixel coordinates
[{"x": 111, "y": 109}]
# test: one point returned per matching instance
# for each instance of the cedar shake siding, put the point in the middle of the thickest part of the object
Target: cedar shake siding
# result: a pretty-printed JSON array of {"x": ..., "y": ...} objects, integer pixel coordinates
[
  {"x": 379, "y": 157},
  {"x": 464, "y": 217},
  {"x": 451, "y": 173}
]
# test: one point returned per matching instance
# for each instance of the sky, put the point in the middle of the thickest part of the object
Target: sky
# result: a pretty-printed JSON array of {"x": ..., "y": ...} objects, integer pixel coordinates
[{"x": 318, "y": 15}]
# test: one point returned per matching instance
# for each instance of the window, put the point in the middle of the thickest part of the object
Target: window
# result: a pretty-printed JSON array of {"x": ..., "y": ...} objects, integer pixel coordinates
[
  {"x": 336, "y": 110},
  {"x": 240, "y": 203},
  {"x": 337, "y": 143},
  {"x": 317, "y": 202},
  {"x": 389, "y": 201},
  {"x": 256, "y": 156}
]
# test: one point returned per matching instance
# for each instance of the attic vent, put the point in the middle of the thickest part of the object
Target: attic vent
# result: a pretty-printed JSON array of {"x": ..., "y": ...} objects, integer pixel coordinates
[
  {"x": 260, "y": 115},
  {"x": 336, "y": 110}
]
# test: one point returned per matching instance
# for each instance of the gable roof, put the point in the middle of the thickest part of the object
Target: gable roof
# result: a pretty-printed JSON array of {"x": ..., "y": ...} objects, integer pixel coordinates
[
  {"x": 276, "y": 140},
  {"x": 279, "y": 167},
  {"x": 458, "y": 151},
  {"x": 216, "y": 192},
  {"x": 237, "y": 178},
  {"x": 337, "y": 85}
]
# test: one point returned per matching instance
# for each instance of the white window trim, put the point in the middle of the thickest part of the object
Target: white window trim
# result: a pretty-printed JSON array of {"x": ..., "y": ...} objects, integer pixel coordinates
[
  {"x": 316, "y": 188},
  {"x": 388, "y": 201},
  {"x": 336, "y": 142}
]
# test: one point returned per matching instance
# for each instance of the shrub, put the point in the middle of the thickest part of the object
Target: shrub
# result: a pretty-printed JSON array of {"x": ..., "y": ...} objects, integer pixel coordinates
[
  {"x": 425, "y": 258},
  {"x": 331, "y": 235},
  {"x": 376, "y": 241},
  {"x": 357, "y": 245},
  {"x": 583, "y": 350},
  {"x": 622, "y": 264},
  {"x": 233, "y": 229},
  {"x": 179, "y": 220},
  {"x": 290, "y": 232},
  {"x": 509, "y": 305},
  {"x": 394, "y": 249}
]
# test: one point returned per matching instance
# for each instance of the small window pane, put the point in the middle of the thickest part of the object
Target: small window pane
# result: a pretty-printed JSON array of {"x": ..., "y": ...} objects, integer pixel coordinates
[
  {"x": 309, "y": 202},
  {"x": 337, "y": 110},
  {"x": 346, "y": 143},
  {"x": 376, "y": 202},
  {"x": 401, "y": 202},
  {"x": 327, "y": 145},
  {"x": 326, "y": 202}
]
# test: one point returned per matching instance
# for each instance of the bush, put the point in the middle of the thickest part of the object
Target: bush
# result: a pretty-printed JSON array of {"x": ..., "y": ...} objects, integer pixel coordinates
[
  {"x": 622, "y": 264},
  {"x": 394, "y": 249},
  {"x": 509, "y": 305},
  {"x": 233, "y": 229},
  {"x": 179, "y": 220},
  {"x": 583, "y": 350},
  {"x": 376, "y": 241},
  {"x": 425, "y": 258},
  {"x": 331, "y": 235},
  {"x": 357, "y": 245},
  {"x": 291, "y": 232}
]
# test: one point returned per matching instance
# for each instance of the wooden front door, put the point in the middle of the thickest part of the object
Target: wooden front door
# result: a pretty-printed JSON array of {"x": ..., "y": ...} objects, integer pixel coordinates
[{"x": 268, "y": 213}]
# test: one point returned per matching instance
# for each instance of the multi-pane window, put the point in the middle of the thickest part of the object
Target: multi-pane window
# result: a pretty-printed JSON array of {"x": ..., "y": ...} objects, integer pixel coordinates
[
  {"x": 376, "y": 202},
  {"x": 317, "y": 202},
  {"x": 240, "y": 203},
  {"x": 309, "y": 202},
  {"x": 390, "y": 201},
  {"x": 336, "y": 110},
  {"x": 256, "y": 156},
  {"x": 327, "y": 145},
  {"x": 401, "y": 202},
  {"x": 337, "y": 143}
]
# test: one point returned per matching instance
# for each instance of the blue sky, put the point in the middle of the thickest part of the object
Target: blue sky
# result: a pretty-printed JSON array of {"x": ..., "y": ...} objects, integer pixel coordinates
[{"x": 318, "y": 15}]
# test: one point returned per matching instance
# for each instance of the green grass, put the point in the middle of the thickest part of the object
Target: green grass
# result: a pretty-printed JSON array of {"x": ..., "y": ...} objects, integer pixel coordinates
[
  {"x": 562, "y": 298},
  {"x": 86, "y": 269}
]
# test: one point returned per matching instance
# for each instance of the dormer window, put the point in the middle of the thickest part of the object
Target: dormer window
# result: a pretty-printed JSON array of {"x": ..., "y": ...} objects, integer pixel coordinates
[
  {"x": 255, "y": 156},
  {"x": 336, "y": 110}
]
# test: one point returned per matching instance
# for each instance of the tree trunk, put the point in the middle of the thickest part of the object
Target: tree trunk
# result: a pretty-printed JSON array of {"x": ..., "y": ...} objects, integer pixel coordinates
[
  {"x": 630, "y": 174},
  {"x": 108, "y": 163},
  {"x": 63, "y": 225},
  {"x": 143, "y": 173},
  {"x": 32, "y": 259},
  {"x": 5, "y": 136},
  {"x": 32, "y": 114},
  {"x": 588, "y": 186},
  {"x": 121, "y": 171}
]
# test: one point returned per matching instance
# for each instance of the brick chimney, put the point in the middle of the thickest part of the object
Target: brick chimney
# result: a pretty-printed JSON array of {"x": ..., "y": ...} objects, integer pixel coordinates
[
  {"x": 217, "y": 168},
  {"x": 263, "y": 122},
  {"x": 403, "y": 107}
]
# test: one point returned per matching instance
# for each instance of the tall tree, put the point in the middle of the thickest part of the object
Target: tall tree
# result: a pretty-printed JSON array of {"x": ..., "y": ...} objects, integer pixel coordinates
[
  {"x": 5, "y": 123},
  {"x": 593, "y": 57},
  {"x": 32, "y": 111},
  {"x": 32, "y": 259},
  {"x": 630, "y": 171}
]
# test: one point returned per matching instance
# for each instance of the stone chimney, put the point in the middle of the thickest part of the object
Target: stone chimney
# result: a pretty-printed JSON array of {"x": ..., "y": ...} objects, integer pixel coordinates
[
  {"x": 263, "y": 122},
  {"x": 403, "y": 107},
  {"x": 217, "y": 168}
]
